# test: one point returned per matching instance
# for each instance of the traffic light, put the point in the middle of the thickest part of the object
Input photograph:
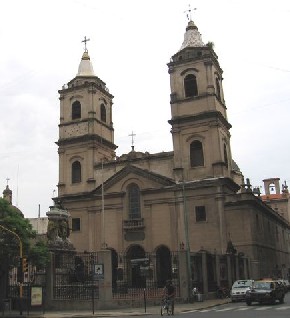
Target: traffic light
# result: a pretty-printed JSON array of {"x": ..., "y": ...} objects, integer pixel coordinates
[
  {"x": 19, "y": 272},
  {"x": 24, "y": 265}
]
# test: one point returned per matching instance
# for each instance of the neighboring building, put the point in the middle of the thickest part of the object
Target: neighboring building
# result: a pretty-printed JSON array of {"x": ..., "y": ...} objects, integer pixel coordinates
[
  {"x": 192, "y": 197},
  {"x": 277, "y": 199},
  {"x": 39, "y": 225}
]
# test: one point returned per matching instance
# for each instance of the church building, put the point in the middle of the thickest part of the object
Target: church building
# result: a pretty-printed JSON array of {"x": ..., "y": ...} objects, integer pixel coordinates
[{"x": 193, "y": 198}]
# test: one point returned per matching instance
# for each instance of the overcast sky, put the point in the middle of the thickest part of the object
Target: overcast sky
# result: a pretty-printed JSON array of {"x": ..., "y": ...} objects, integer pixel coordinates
[{"x": 131, "y": 43}]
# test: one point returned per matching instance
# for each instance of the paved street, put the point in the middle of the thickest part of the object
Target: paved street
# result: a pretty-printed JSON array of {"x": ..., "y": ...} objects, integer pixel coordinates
[
  {"x": 216, "y": 308},
  {"x": 241, "y": 310}
]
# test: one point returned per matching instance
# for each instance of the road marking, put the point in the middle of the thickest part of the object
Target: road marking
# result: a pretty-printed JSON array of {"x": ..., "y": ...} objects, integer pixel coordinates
[
  {"x": 187, "y": 311},
  {"x": 224, "y": 309},
  {"x": 283, "y": 308},
  {"x": 263, "y": 308},
  {"x": 243, "y": 308}
]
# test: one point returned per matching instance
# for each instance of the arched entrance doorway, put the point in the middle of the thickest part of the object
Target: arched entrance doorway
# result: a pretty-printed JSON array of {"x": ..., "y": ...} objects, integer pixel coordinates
[
  {"x": 163, "y": 265},
  {"x": 135, "y": 259}
]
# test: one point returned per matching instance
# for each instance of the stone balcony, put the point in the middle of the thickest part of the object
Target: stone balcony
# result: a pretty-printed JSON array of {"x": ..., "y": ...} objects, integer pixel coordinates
[{"x": 133, "y": 225}]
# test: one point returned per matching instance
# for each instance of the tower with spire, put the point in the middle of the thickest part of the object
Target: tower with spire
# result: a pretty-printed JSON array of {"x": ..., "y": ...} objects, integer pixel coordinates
[
  {"x": 86, "y": 133},
  {"x": 133, "y": 203},
  {"x": 200, "y": 129}
]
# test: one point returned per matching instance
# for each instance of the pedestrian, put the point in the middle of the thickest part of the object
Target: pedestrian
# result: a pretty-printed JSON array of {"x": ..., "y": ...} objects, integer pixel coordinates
[{"x": 194, "y": 293}]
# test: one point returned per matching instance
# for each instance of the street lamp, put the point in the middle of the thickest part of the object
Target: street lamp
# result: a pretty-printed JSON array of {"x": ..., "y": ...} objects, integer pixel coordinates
[
  {"x": 20, "y": 255},
  {"x": 187, "y": 245}
]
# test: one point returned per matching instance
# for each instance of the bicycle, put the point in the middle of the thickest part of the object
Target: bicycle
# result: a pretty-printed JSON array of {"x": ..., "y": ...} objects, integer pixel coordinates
[
  {"x": 166, "y": 307},
  {"x": 223, "y": 292}
]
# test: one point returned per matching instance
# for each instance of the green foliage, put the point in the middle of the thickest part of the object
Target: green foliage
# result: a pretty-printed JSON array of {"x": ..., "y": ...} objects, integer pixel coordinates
[
  {"x": 39, "y": 254},
  {"x": 12, "y": 219},
  {"x": 210, "y": 44}
]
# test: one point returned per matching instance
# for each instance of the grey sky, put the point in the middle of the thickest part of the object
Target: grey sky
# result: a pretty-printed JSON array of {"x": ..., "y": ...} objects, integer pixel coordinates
[{"x": 130, "y": 44}]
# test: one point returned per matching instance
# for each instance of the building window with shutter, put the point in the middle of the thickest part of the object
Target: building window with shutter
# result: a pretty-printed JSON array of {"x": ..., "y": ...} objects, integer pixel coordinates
[
  {"x": 196, "y": 154},
  {"x": 103, "y": 113},
  {"x": 134, "y": 201},
  {"x": 200, "y": 213},
  {"x": 76, "y": 110},
  {"x": 76, "y": 224},
  {"x": 226, "y": 155},
  {"x": 76, "y": 172},
  {"x": 190, "y": 86}
]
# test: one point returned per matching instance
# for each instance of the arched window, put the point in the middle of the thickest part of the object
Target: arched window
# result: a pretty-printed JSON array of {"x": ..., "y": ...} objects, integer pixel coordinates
[
  {"x": 190, "y": 85},
  {"x": 103, "y": 113},
  {"x": 218, "y": 88},
  {"x": 196, "y": 154},
  {"x": 76, "y": 110},
  {"x": 76, "y": 172},
  {"x": 226, "y": 155},
  {"x": 134, "y": 201}
]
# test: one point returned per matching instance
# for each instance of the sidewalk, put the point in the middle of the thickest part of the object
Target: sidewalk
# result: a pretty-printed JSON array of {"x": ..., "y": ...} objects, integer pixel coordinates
[{"x": 150, "y": 310}]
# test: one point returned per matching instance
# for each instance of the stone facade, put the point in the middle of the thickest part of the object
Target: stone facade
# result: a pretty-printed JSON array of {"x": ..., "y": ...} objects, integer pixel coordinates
[{"x": 193, "y": 197}]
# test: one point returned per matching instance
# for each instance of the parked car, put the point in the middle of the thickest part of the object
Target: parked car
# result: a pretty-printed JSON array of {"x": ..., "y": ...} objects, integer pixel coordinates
[
  {"x": 239, "y": 288},
  {"x": 265, "y": 291}
]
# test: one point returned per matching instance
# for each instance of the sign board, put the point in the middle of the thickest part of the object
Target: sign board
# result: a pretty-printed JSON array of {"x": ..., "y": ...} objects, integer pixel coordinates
[
  {"x": 99, "y": 271},
  {"x": 36, "y": 296}
]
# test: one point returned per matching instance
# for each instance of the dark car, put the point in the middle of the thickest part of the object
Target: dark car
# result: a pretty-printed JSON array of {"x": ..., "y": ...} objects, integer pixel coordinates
[{"x": 265, "y": 291}]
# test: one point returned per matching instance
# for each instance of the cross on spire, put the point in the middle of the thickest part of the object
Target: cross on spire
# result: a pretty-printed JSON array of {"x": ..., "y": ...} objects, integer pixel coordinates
[
  {"x": 132, "y": 135},
  {"x": 85, "y": 41},
  {"x": 7, "y": 179},
  {"x": 188, "y": 13}
]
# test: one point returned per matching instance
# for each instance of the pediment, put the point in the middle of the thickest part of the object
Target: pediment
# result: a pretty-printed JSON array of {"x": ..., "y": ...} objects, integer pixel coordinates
[{"x": 148, "y": 178}]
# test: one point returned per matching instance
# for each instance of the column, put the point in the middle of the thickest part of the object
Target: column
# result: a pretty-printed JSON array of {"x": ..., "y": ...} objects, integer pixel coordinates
[
  {"x": 184, "y": 279},
  {"x": 105, "y": 285},
  {"x": 204, "y": 273}
]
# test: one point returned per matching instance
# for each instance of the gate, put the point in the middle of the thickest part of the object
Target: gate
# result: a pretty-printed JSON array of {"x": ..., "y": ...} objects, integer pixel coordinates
[{"x": 142, "y": 274}]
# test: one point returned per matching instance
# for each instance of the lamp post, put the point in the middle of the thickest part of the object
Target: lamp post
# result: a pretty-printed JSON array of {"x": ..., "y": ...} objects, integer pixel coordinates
[
  {"x": 187, "y": 245},
  {"x": 20, "y": 256}
]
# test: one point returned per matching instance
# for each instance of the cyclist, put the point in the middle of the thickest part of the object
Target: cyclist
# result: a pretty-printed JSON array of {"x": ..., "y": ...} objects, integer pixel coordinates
[{"x": 169, "y": 293}]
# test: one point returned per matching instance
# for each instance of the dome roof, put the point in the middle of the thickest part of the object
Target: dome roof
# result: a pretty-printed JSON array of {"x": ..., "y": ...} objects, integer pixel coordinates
[
  {"x": 192, "y": 37},
  {"x": 86, "y": 67},
  {"x": 7, "y": 195}
]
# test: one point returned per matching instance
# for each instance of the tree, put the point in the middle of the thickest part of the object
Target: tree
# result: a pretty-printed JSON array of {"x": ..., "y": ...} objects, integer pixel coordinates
[
  {"x": 15, "y": 227},
  {"x": 39, "y": 254},
  {"x": 210, "y": 44}
]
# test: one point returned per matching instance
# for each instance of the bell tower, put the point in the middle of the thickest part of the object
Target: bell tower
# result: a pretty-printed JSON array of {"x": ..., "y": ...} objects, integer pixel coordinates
[
  {"x": 86, "y": 133},
  {"x": 200, "y": 129}
]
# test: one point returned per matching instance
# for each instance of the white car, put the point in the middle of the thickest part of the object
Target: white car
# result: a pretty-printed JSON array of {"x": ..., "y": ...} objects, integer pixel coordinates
[{"x": 239, "y": 288}]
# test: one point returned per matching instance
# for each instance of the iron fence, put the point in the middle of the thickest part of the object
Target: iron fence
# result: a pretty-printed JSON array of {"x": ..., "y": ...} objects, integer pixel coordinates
[
  {"x": 134, "y": 278},
  {"x": 74, "y": 276}
]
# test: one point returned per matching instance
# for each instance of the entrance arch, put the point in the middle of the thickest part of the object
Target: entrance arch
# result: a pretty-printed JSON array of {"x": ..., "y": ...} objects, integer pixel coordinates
[
  {"x": 135, "y": 259},
  {"x": 163, "y": 265}
]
